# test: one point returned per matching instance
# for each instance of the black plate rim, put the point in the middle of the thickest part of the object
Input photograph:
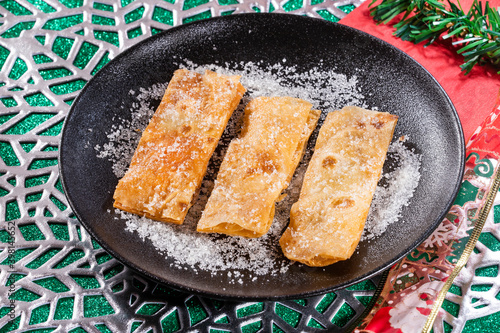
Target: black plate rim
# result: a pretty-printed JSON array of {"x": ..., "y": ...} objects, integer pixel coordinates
[{"x": 215, "y": 295}]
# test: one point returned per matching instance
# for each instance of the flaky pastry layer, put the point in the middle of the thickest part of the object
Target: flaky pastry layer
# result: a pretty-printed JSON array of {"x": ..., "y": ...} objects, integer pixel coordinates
[
  {"x": 327, "y": 221},
  {"x": 258, "y": 166},
  {"x": 171, "y": 158}
]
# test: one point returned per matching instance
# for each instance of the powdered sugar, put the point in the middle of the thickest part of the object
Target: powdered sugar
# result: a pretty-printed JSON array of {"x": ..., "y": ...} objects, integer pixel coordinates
[{"x": 239, "y": 256}]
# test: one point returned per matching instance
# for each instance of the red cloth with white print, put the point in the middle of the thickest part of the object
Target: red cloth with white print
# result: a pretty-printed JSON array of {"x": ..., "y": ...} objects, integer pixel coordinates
[{"x": 413, "y": 285}]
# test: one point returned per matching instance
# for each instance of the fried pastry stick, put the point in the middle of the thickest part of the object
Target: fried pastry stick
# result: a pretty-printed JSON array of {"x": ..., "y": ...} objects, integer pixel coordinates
[
  {"x": 258, "y": 166},
  {"x": 171, "y": 158},
  {"x": 327, "y": 221}
]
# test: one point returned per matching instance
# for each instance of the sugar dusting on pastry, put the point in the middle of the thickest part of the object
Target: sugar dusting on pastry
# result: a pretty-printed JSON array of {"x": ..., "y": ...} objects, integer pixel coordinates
[
  {"x": 257, "y": 167},
  {"x": 260, "y": 256},
  {"x": 174, "y": 150},
  {"x": 327, "y": 221}
]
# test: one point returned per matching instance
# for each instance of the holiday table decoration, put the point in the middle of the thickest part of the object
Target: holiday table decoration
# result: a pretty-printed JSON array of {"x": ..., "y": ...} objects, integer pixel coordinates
[
  {"x": 53, "y": 276},
  {"x": 474, "y": 30},
  {"x": 474, "y": 96}
]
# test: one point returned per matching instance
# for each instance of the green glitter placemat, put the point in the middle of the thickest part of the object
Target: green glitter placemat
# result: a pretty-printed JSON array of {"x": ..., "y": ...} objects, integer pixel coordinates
[{"x": 54, "y": 277}]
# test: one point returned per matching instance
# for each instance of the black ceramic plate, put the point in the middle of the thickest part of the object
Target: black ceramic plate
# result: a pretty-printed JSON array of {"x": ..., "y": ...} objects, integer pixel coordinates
[{"x": 388, "y": 79}]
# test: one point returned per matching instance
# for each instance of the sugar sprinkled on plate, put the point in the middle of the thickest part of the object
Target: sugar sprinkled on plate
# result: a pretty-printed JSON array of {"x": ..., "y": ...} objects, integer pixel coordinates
[
  {"x": 394, "y": 191},
  {"x": 237, "y": 256}
]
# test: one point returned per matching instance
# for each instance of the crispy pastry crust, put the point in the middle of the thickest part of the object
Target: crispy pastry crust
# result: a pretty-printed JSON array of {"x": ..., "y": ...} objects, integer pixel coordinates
[
  {"x": 171, "y": 158},
  {"x": 327, "y": 221},
  {"x": 258, "y": 166}
]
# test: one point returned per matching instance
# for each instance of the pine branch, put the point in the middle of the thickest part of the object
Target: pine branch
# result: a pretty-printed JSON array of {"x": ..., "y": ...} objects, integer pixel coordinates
[{"x": 476, "y": 33}]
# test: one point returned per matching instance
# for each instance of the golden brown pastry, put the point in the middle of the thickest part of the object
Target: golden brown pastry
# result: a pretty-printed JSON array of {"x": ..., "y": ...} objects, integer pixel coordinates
[
  {"x": 172, "y": 156},
  {"x": 258, "y": 166},
  {"x": 327, "y": 221}
]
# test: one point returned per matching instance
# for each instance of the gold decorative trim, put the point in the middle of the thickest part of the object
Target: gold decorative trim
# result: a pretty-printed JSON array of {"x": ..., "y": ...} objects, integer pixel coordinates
[{"x": 469, "y": 247}]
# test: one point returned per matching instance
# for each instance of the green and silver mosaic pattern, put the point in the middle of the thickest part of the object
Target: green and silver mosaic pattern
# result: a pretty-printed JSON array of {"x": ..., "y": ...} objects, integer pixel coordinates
[{"x": 54, "y": 277}]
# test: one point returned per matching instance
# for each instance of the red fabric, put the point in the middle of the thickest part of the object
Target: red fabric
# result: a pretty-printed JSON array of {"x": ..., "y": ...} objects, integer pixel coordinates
[
  {"x": 486, "y": 143},
  {"x": 473, "y": 95},
  {"x": 380, "y": 322}
]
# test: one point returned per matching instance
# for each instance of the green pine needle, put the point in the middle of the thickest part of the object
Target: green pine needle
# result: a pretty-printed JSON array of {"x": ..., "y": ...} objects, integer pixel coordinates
[{"x": 477, "y": 31}]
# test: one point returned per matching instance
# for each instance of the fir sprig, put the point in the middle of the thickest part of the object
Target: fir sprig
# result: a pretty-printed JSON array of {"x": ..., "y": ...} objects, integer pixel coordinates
[{"x": 475, "y": 33}]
